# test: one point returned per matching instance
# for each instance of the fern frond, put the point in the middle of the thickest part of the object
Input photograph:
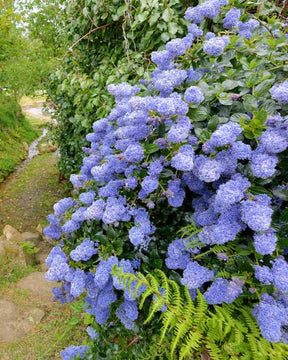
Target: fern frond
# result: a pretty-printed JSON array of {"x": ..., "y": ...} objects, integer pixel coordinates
[
  {"x": 201, "y": 309},
  {"x": 144, "y": 296},
  {"x": 174, "y": 295},
  {"x": 169, "y": 320},
  {"x": 153, "y": 282},
  {"x": 192, "y": 342},
  {"x": 214, "y": 351},
  {"x": 156, "y": 305}
]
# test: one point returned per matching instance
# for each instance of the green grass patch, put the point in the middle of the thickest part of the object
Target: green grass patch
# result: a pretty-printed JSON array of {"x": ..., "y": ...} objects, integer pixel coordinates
[
  {"x": 12, "y": 272},
  {"x": 14, "y": 130}
]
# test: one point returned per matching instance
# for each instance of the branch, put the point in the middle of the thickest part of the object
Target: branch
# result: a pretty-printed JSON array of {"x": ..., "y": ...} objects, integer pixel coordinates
[
  {"x": 283, "y": 7},
  {"x": 90, "y": 32}
]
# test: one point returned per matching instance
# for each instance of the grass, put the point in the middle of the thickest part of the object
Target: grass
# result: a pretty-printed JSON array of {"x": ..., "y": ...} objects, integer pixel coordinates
[
  {"x": 14, "y": 130},
  {"x": 32, "y": 100},
  {"x": 30, "y": 196}
]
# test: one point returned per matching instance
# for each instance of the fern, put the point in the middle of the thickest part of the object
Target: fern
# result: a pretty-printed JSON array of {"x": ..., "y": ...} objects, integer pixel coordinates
[{"x": 227, "y": 332}]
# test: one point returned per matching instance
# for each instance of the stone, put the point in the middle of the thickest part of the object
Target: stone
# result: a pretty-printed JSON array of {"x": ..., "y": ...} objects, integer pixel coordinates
[
  {"x": 26, "y": 146},
  {"x": 35, "y": 238},
  {"x": 38, "y": 285},
  {"x": 12, "y": 252},
  {"x": 14, "y": 324},
  {"x": 39, "y": 229},
  {"x": 42, "y": 256},
  {"x": 44, "y": 267},
  {"x": 47, "y": 147},
  {"x": 12, "y": 234},
  {"x": 2, "y": 252}
]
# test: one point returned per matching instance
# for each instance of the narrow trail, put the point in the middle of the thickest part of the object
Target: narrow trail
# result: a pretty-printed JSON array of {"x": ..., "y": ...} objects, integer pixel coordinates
[
  {"x": 28, "y": 194},
  {"x": 32, "y": 327}
]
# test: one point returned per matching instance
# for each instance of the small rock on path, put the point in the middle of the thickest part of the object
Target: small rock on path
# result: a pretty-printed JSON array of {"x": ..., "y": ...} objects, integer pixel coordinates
[
  {"x": 13, "y": 324},
  {"x": 38, "y": 285}
]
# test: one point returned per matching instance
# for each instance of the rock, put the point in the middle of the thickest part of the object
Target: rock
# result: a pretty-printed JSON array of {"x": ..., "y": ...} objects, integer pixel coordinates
[
  {"x": 47, "y": 147},
  {"x": 12, "y": 252},
  {"x": 13, "y": 324},
  {"x": 12, "y": 234},
  {"x": 35, "y": 238},
  {"x": 8, "y": 317},
  {"x": 38, "y": 285},
  {"x": 26, "y": 146},
  {"x": 42, "y": 256},
  {"x": 52, "y": 147},
  {"x": 39, "y": 229},
  {"x": 2, "y": 253},
  {"x": 44, "y": 267}
]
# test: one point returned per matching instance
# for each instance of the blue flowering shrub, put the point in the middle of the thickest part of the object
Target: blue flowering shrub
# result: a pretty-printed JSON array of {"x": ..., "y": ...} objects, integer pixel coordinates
[{"x": 178, "y": 216}]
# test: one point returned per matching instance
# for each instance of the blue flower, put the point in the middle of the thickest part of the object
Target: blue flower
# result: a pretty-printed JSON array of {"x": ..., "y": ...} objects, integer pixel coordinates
[
  {"x": 265, "y": 243},
  {"x": 231, "y": 19},
  {"x": 178, "y": 257},
  {"x": 256, "y": 215},
  {"x": 72, "y": 352},
  {"x": 263, "y": 164},
  {"x": 214, "y": 46},
  {"x": 280, "y": 274},
  {"x": 263, "y": 274},
  {"x": 222, "y": 291},
  {"x": 194, "y": 95},
  {"x": 84, "y": 251},
  {"x": 196, "y": 275}
]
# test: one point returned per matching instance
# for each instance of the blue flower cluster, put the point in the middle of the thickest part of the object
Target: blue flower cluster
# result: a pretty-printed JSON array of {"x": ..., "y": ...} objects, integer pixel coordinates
[
  {"x": 271, "y": 315},
  {"x": 122, "y": 180},
  {"x": 73, "y": 352}
]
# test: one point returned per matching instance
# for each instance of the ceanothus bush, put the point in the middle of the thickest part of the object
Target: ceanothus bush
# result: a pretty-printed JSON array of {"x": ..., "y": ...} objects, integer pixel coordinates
[{"x": 199, "y": 143}]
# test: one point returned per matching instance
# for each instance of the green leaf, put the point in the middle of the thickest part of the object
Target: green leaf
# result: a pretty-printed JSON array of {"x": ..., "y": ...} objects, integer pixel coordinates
[
  {"x": 173, "y": 28},
  {"x": 263, "y": 88},
  {"x": 238, "y": 117},
  {"x": 225, "y": 99},
  {"x": 249, "y": 102},
  {"x": 213, "y": 123},
  {"x": 281, "y": 194},
  {"x": 151, "y": 148},
  {"x": 257, "y": 189},
  {"x": 154, "y": 18},
  {"x": 284, "y": 216},
  {"x": 165, "y": 36},
  {"x": 167, "y": 15},
  {"x": 198, "y": 114},
  {"x": 261, "y": 115},
  {"x": 204, "y": 135},
  {"x": 230, "y": 84}
]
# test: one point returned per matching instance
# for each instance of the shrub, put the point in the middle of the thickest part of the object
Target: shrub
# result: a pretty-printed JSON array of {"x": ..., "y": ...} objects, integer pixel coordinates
[
  {"x": 118, "y": 51},
  {"x": 186, "y": 175}
]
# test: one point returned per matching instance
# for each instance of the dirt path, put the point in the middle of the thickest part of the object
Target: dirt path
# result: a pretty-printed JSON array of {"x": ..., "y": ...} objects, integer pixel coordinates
[{"x": 26, "y": 198}]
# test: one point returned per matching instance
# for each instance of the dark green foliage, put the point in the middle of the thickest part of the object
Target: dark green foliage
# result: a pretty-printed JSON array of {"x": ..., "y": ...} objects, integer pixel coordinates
[
  {"x": 193, "y": 329},
  {"x": 117, "y": 52}
]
